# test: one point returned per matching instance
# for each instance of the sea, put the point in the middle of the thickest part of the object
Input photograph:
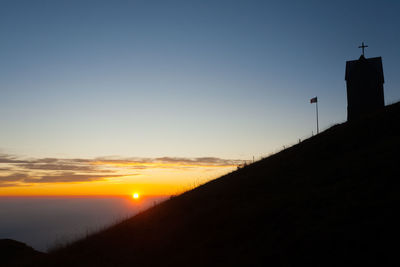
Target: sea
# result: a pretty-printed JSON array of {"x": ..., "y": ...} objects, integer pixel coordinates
[{"x": 46, "y": 223}]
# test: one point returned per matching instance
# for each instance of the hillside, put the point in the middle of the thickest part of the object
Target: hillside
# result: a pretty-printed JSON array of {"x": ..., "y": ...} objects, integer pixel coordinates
[
  {"x": 331, "y": 200},
  {"x": 12, "y": 251}
]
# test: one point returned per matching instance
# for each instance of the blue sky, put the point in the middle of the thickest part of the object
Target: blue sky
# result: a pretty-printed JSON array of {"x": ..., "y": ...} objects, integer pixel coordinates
[{"x": 228, "y": 79}]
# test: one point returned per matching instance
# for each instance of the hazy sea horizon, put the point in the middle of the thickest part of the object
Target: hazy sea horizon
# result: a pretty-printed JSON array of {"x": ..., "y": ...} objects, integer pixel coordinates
[{"x": 47, "y": 222}]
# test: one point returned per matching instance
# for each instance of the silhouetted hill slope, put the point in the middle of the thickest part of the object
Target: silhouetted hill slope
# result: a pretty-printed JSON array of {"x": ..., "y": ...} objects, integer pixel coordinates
[
  {"x": 14, "y": 253},
  {"x": 331, "y": 200}
]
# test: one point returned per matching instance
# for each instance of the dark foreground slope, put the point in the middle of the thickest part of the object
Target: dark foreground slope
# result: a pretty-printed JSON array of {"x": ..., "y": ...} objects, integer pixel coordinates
[
  {"x": 332, "y": 200},
  {"x": 14, "y": 253}
]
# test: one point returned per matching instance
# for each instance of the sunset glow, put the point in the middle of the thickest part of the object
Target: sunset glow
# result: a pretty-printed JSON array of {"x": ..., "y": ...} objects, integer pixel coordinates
[
  {"x": 93, "y": 177},
  {"x": 135, "y": 196},
  {"x": 161, "y": 102}
]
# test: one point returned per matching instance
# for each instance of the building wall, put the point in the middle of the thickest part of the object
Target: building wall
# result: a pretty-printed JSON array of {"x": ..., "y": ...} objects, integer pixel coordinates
[
  {"x": 363, "y": 98},
  {"x": 364, "y": 88}
]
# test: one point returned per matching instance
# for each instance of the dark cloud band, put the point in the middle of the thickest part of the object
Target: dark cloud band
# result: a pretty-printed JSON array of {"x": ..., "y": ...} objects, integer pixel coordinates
[{"x": 20, "y": 171}]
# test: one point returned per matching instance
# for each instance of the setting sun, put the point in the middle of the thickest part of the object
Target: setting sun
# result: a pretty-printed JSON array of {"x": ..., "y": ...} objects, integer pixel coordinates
[{"x": 135, "y": 195}]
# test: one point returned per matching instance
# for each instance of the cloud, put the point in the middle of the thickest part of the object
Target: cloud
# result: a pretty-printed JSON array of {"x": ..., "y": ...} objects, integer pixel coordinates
[
  {"x": 207, "y": 161},
  {"x": 22, "y": 172},
  {"x": 49, "y": 164},
  {"x": 70, "y": 177},
  {"x": 168, "y": 162},
  {"x": 46, "y": 160},
  {"x": 11, "y": 184},
  {"x": 58, "y": 167},
  {"x": 13, "y": 177},
  {"x": 64, "y": 177},
  {"x": 5, "y": 158},
  {"x": 12, "y": 180}
]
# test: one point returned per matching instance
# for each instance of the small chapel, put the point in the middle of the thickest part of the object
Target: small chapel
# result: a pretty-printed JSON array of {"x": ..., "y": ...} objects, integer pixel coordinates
[{"x": 364, "y": 81}]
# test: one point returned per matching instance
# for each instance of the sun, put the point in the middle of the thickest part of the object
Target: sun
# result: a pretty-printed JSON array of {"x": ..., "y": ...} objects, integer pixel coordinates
[{"x": 135, "y": 195}]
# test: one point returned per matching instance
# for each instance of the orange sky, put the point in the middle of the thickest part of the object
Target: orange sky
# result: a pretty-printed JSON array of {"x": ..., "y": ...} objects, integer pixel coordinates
[{"x": 107, "y": 176}]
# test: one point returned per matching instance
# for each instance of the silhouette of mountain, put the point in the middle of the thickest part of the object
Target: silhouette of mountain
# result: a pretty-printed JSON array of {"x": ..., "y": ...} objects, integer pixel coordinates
[
  {"x": 331, "y": 200},
  {"x": 14, "y": 253}
]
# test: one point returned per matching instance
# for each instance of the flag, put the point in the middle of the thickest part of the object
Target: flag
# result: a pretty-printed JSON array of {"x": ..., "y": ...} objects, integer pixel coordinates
[{"x": 314, "y": 100}]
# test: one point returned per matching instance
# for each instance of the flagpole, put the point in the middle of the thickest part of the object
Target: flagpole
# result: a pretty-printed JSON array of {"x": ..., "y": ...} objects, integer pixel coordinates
[{"x": 316, "y": 107}]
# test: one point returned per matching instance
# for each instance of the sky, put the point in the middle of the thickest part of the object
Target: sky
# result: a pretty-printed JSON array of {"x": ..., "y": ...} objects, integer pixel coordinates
[{"x": 111, "y": 97}]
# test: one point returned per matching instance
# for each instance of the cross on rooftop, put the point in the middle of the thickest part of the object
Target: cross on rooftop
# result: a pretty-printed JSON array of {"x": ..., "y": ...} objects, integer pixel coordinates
[{"x": 363, "y": 46}]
